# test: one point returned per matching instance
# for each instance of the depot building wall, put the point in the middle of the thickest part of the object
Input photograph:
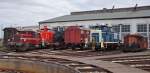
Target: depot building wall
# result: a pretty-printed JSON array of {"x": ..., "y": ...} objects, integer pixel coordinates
[{"x": 123, "y": 26}]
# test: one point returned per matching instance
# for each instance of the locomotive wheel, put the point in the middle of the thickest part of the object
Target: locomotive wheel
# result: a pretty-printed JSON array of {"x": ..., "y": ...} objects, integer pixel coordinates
[
  {"x": 54, "y": 47},
  {"x": 74, "y": 47},
  {"x": 25, "y": 47},
  {"x": 10, "y": 48}
]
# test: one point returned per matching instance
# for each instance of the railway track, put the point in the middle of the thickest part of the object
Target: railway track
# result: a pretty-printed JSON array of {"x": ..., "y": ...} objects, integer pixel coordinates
[
  {"x": 76, "y": 60},
  {"x": 139, "y": 61},
  {"x": 79, "y": 67},
  {"x": 72, "y": 53}
]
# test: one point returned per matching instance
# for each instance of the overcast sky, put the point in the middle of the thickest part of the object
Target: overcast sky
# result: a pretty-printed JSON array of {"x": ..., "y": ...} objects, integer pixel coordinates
[{"x": 30, "y": 12}]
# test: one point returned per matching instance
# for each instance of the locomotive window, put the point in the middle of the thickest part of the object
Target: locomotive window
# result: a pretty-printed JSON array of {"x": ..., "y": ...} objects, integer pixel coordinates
[
  {"x": 87, "y": 32},
  {"x": 82, "y": 32},
  {"x": 125, "y": 28},
  {"x": 142, "y": 27}
]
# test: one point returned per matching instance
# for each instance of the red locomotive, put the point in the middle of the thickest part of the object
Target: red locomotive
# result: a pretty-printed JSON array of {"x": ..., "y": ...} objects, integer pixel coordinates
[
  {"x": 46, "y": 37},
  {"x": 21, "y": 40}
]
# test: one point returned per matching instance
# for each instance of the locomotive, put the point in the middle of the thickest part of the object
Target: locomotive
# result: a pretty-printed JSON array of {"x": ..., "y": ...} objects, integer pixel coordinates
[
  {"x": 104, "y": 37},
  {"x": 22, "y": 40}
]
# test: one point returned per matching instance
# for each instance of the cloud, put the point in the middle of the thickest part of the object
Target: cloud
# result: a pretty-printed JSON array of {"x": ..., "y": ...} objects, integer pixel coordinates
[{"x": 31, "y": 12}]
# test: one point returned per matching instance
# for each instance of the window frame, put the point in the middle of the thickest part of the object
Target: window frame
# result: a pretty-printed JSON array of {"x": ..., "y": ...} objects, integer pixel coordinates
[
  {"x": 116, "y": 28},
  {"x": 126, "y": 28},
  {"x": 142, "y": 27}
]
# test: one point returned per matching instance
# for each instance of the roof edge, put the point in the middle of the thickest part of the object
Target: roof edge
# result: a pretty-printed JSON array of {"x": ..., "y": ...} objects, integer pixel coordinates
[
  {"x": 105, "y": 10},
  {"x": 97, "y": 19}
]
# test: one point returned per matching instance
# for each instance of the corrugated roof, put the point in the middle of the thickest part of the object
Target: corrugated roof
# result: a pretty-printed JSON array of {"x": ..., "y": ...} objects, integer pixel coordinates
[
  {"x": 143, "y": 13},
  {"x": 105, "y": 10}
]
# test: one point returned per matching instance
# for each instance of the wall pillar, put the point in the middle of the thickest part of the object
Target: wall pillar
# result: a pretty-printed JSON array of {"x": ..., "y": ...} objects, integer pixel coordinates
[
  {"x": 133, "y": 28},
  {"x": 148, "y": 38},
  {"x": 120, "y": 33}
]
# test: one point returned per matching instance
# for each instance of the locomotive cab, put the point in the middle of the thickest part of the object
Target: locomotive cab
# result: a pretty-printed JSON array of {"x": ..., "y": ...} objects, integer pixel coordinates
[
  {"x": 46, "y": 37},
  {"x": 96, "y": 39}
]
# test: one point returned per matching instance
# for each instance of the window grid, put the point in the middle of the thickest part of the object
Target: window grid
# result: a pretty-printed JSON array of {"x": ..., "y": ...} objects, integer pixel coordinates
[
  {"x": 142, "y": 28},
  {"x": 125, "y": 28},
  {"x": 116, "y": 28}
]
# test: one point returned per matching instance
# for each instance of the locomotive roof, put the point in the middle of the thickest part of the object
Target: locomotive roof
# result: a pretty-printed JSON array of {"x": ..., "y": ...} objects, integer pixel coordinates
[
  {"x": 105, "y": 14},
  {"x": 8, "y": 28},
  {"x": 17, "y": 29},
  {"x": 134, "y": 35}
]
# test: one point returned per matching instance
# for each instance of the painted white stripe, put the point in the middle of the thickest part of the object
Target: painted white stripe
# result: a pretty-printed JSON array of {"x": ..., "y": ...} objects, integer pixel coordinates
[
  {"x": 129, "y": 60},
  {"x": 140, "y": 57},
  {"x": 140, "y": 65}
]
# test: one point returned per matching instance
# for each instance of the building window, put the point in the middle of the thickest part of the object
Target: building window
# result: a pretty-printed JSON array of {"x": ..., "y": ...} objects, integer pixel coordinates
[
  {"x": 125, "y": 28},
  {"x": 116, "y": 28},
  {"x": 142, "y": 27},
  {"x": 149, "y": 36},
  {"x": 149, "y": 27}
]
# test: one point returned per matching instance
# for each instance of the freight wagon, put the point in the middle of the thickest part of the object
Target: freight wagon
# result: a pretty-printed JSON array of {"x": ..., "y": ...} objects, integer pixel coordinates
[
  {"x": 135, "y": 43},
  {"x": 76, "y": 37}
]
